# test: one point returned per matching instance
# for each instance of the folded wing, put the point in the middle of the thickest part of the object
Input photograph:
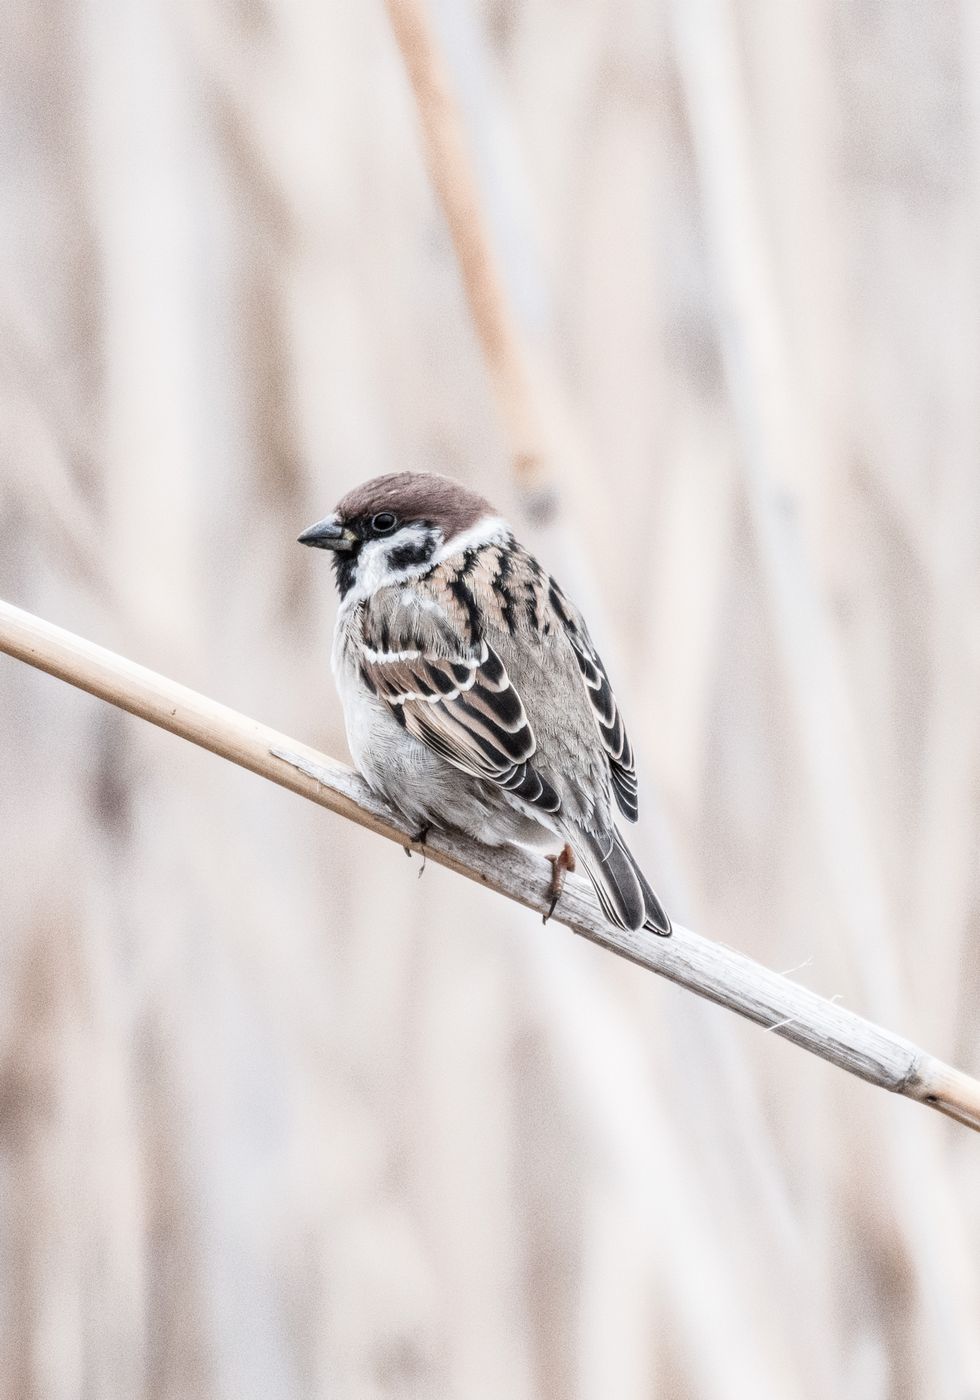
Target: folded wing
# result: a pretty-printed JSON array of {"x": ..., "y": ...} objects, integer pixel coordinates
[
  {"x": 612, "y": 731},
  {"x": 465, "y": 709}
]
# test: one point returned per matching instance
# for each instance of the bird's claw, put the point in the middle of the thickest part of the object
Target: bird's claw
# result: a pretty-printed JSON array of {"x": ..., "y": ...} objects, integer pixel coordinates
[
  {"x": 560, "y": 865},
  {"x": 419, "y": 840}
]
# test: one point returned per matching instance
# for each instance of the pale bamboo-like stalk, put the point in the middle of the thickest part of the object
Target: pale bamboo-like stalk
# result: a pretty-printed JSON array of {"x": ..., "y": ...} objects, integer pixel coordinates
[
  {"x": 456, "y": 189},
  {"x": 709, "y": 969}
]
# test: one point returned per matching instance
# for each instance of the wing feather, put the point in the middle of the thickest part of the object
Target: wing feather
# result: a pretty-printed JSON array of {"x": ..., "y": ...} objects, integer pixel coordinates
[
  {"x": 463, "y": 706},
  {"x": 612, "y": 731}
]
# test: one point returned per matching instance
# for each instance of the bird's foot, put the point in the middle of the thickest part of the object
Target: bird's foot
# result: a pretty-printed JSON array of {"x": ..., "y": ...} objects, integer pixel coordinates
[
  {"x": 560, "y": 866},
  {"x": 419, "y": 840}
]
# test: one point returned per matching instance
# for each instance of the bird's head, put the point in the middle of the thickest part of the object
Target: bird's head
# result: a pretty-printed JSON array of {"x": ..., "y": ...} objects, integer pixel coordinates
[{"x": 396, "y": 527}]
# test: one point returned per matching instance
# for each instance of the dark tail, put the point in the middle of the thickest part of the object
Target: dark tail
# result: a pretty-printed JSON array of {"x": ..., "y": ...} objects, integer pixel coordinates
[{"x": 626, "y": 898}]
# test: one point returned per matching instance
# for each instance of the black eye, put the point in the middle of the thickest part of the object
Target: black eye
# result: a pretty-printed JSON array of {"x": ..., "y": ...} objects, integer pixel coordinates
[{"x": 384, "y": 522}]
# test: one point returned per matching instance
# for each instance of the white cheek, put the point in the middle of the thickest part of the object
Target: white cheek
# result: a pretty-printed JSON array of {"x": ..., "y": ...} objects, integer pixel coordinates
[{"x": 374, "y": 567}]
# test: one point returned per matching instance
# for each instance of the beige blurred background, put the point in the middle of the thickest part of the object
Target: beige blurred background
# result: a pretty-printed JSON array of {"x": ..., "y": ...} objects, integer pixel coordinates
[{"x": 277, "y": 1118}]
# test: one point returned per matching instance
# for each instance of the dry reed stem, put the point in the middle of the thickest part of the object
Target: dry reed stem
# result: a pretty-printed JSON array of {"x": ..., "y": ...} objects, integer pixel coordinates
[
  {"x": 712, "y": 971},
  {"x": 456, "y": 188}
]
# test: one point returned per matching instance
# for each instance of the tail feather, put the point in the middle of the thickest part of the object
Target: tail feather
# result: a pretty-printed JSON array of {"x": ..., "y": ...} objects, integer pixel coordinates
[{"x": 624, "y": 892}]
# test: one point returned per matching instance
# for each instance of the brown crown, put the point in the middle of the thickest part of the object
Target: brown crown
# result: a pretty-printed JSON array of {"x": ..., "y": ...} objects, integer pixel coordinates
[{"x": 417, "y": 496}]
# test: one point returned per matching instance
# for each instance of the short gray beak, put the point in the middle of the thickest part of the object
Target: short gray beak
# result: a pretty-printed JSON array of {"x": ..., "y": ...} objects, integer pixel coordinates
[{"x": 328, "y": 534}]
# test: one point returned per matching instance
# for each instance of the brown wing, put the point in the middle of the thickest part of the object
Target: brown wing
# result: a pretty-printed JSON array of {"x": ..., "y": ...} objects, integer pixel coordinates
[
  {"x": 612, "y": 731},
  {"x": 462, "y": 705}
]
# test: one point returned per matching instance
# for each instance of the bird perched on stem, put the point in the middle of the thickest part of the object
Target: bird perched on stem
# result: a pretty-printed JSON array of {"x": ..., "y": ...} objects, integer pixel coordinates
[{"x": 473, "y": 697}]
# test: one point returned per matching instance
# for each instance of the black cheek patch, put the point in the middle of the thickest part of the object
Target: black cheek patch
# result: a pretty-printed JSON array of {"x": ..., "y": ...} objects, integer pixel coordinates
[{"x": 407, "y": 556}]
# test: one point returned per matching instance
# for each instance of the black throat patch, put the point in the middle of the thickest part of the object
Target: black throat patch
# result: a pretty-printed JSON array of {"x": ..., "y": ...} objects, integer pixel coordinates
[{"x": 345, "y": 569}]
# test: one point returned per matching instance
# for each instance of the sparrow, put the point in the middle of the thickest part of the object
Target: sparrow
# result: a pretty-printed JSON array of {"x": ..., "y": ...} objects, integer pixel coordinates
[{"x": 473, "y": 696}]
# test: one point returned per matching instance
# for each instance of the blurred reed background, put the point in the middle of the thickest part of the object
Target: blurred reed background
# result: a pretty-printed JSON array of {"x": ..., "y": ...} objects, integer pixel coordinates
[{"x": 279, "y": 1119}]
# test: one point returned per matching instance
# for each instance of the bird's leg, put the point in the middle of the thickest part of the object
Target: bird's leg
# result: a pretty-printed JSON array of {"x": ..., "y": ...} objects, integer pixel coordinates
[
  {"x": 419, "y": 840},
  {"x": 560, "y": 865}
]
